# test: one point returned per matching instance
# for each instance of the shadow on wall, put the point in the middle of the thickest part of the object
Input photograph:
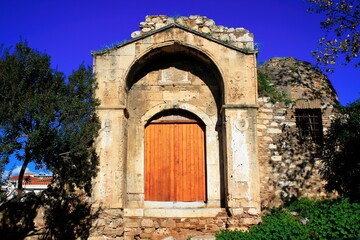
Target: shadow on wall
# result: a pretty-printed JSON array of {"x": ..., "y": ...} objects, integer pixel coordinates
[
  {"x": 295, "y": 168},
  {"x": 68, "y": 214},
  {"x": 17, "y": 218},
  {"x": 54, "y": 214}
]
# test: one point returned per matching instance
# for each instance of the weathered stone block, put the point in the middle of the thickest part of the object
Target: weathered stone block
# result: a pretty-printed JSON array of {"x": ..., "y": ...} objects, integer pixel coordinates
[
  {"x": 253, "y": 211},
  {"x": 147, "y": 223},
  {"x": 250, "y": 221},
  {"x": 146, "y": 236},
  {"x": 274, "y": 131},
  {"x": 279, "y": 117},
  {"x": 131, "y": 224},
  {"x": 272, "y": 146},
  {"x": 114, "y": 232},
  {"x": 97, "y": 238},
  {"x": 276, "y": 158}
]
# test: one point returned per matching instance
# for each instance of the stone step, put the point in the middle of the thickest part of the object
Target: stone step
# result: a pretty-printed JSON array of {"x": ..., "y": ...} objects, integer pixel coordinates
[{"x": 205, "y": 237}]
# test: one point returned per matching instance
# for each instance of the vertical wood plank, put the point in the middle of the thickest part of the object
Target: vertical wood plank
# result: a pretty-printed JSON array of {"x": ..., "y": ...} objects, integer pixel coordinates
[
  {"x": 146, "y": 156},
  {"x": 197, "y": 162},
  {"x": 170, "y": 160},
  {"x": 183, "y": 162},
  {"x": 187, "y": 170},
  {"x": 202, "y": 179},
  {"x": 164, "y": 172}
]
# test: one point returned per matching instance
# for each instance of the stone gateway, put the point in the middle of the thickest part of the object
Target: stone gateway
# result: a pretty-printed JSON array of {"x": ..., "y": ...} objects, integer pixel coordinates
[{"x": 187, "y": 147}]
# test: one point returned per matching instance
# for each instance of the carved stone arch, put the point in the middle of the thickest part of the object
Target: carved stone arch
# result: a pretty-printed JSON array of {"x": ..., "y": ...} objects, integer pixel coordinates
[
  {"x": 175, "y": 50},
  {"x": 183, "y": 106}
]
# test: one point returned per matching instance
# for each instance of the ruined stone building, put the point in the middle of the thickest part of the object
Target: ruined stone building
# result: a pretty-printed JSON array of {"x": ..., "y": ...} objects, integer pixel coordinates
[{"x": 187, "y": 147}]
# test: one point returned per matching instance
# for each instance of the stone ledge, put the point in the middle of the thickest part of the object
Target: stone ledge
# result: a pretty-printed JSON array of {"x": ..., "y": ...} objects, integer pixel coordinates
[
  {"x": 111, "y": 107},
  {"x": 172, "y": 205},
  {"x": 133, "y": 212},
  {"x": 203, "y": 238},
  {"x": 173, "y": 213}
]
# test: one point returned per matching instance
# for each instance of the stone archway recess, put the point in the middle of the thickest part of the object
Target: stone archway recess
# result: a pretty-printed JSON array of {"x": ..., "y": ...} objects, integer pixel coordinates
[{"x": 173, "y": 74}]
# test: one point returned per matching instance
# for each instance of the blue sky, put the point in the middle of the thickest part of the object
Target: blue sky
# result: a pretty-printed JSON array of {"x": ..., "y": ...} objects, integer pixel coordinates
[{"x": 69, "y": 30}]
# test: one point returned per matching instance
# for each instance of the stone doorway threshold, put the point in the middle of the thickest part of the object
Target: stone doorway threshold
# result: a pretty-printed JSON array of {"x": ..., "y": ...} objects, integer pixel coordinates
[{"x": 173, "y": 212}]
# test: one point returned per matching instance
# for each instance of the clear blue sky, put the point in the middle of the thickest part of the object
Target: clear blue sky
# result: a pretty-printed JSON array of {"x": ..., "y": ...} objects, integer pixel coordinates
[{"x": 69, "y": 30}]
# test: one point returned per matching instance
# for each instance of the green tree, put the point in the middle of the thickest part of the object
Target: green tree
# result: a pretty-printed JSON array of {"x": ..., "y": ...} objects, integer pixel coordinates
[
  {"x": 342, "y": 32},
  {"x": 342, "y": 152},
  {"x": 47, "y": 119},
  {"x": 51, "y": 121}
]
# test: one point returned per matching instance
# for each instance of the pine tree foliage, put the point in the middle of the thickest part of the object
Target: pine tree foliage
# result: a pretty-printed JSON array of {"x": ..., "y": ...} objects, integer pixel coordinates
[{"x": 47, "y": 119}]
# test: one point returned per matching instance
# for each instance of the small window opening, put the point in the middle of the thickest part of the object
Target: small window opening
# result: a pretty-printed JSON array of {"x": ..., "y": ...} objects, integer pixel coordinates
[{"x": 309, "y": 123}]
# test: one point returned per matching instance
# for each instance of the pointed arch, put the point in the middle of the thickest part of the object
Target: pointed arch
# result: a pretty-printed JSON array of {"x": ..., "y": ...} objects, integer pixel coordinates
[{"x": 164, "y": 54}]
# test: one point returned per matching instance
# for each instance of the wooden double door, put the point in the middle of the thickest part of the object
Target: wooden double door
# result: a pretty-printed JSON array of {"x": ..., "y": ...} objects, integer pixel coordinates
[{"x": 175, "y": 161}]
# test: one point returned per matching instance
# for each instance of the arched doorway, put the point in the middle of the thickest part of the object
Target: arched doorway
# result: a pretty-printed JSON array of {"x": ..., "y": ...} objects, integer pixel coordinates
[
  {"x": 175, "y": 158},
  {"x": 180, "y": 79}
]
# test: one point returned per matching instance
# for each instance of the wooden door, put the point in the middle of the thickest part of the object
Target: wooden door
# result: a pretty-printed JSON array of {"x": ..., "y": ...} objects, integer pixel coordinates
[{"x": 174, "y": 161}]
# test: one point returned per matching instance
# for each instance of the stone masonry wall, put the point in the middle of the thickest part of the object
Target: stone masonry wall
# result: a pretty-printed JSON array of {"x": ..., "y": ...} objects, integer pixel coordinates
[
  {"x": 289, "y": 166},
  {"x": 113, "y": 225}
]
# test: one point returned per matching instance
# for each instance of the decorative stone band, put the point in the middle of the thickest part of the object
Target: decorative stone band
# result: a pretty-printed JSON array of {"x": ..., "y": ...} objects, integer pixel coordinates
[
  {"x": 238, "y": 106},
  {"x": 112, "y": 108}
]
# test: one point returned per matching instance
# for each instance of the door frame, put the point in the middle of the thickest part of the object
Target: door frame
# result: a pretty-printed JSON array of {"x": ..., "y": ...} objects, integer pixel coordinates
[
  {"x": 135, "y": 161},
  {"x": 166, "y": 126}
]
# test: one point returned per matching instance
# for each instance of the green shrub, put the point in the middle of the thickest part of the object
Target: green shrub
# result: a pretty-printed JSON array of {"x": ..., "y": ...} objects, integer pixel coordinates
[
  {"x": 305, "y": 219},
  {"x": 278, "y": 225},
  {"x": 267, "y": 89},
  {"x": 329, "y": 219}
]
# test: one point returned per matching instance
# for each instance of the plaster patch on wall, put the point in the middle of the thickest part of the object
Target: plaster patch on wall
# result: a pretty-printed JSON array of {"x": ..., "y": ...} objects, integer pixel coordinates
[
  {"x": 211, "y": 140},
  {"x": 241, "y": 166},
  {"x": 110, "y": 92},
  {"x": 173, "y": 75},
  {"x": 106, "y": 138},
  {"x": 107, "y": 125}
]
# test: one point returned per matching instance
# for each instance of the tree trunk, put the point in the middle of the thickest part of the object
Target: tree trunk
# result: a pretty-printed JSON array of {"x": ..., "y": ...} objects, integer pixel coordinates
[{"x": 21, "y": 174}]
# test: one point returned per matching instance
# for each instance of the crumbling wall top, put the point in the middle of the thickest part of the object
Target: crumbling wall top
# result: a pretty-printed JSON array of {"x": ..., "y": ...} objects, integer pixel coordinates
[{"x": 239, "y": 37}]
